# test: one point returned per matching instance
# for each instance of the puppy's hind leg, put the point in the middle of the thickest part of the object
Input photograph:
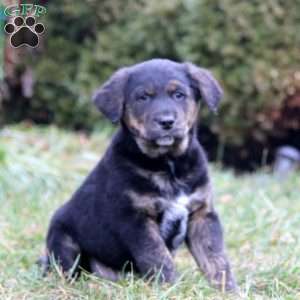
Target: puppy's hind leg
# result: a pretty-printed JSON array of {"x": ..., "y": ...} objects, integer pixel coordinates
[
  {"x": 103, "y": 271},
  {"x": 63, "y": 249},
  {"x": 44, "y": 263}
]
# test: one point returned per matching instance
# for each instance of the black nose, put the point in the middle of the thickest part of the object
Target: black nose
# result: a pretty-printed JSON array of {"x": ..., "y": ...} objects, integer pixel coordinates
[{"x": 166, "y": 122}]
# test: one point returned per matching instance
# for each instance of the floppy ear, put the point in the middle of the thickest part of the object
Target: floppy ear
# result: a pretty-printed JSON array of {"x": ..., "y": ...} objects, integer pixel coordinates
[
  {"x": 205, "y": 84},
  {"x": 110, "y": 97}
]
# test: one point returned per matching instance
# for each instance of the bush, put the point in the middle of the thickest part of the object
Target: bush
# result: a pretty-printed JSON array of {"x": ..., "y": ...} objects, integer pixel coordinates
[{"x": 250, "y": 46}]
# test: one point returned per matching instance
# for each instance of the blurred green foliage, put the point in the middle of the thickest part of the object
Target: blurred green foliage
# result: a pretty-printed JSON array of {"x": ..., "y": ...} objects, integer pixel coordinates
[{"x": 249, "y": 45}]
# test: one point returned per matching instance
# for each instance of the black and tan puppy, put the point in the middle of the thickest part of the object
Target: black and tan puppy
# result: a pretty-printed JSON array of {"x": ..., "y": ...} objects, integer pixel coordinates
[{"x": 151, "y": 190}]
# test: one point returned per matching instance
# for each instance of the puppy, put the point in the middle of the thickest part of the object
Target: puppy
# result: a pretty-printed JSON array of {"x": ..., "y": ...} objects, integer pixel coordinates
[{"x": 151, "y": 190}]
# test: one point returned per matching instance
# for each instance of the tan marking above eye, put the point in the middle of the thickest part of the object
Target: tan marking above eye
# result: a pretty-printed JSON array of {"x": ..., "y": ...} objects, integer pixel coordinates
[
  {"x": 174, "y": 85},
  {"x": 150, "y": 91},
  {"x": 144, "y": 89}
]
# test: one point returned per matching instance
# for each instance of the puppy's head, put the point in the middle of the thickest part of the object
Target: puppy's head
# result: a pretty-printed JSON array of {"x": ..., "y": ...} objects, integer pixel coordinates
[{"x": 157, "y": 101}]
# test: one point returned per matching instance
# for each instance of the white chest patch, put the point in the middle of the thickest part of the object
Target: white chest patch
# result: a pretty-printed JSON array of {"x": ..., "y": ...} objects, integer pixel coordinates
[
  {"x": 182, "y": 199},
  {"x": 174, "y": 222}
]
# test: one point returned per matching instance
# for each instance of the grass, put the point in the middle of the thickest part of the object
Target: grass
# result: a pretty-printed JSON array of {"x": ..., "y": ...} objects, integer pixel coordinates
[{"x": 41, "y": 167}]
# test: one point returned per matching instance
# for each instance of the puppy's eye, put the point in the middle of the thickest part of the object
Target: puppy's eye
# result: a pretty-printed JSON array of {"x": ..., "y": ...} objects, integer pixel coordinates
[
  {"x": 143, "y": 98},
  {"x": 179, "y": 96}
]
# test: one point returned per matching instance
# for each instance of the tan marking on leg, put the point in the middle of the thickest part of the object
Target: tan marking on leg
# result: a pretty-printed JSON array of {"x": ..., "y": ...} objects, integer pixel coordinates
[
  {"x": 205, "y": 241},
  {"x": 201, "y": 197},
  {"x": 151, "y": 205}
]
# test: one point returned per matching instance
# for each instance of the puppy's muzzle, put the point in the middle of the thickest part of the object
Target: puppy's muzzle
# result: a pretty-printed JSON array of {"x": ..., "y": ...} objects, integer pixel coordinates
[
  {"x": 165, "y": 128},
  {"x": 165, "y": 121}
]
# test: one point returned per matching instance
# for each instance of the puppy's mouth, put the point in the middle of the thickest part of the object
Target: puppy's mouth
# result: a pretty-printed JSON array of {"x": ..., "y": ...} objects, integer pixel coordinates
[
  {"x": 170, "y": 139},
  {"x": 165, "y": 141},
  {"x": 159, "y": 144}
]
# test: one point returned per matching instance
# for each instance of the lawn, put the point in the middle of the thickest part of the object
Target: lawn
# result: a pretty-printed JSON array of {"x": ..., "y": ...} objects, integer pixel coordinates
[{"x": 41, "y": 167}]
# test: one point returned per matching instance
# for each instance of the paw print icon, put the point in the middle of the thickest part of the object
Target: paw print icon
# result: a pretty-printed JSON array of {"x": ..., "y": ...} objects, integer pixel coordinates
[{"x": 24, "y": 31}]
